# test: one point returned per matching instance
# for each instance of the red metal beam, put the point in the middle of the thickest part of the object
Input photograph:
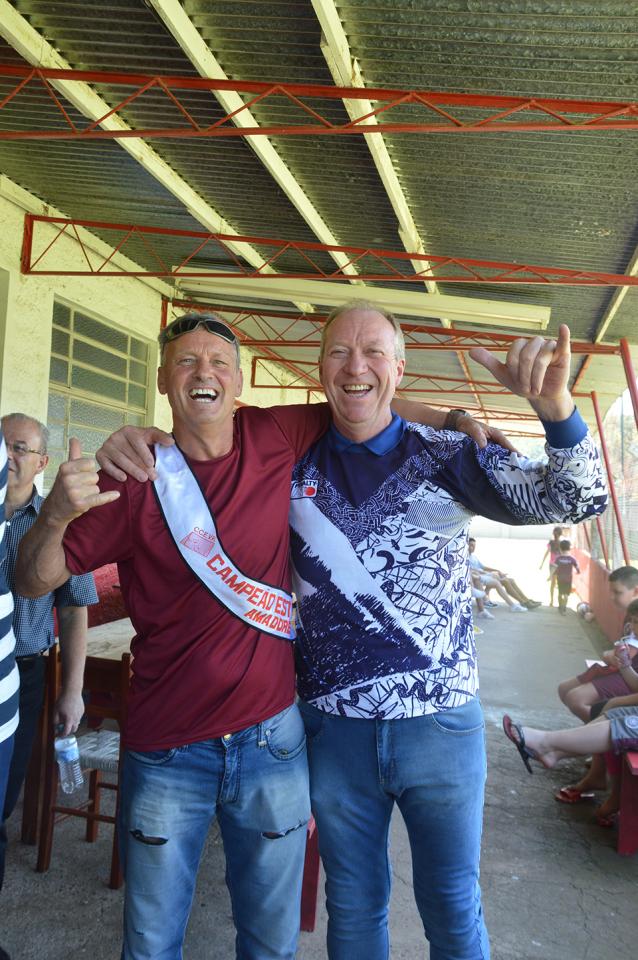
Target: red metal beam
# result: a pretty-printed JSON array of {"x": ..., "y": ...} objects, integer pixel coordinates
[
  {"x": 491, "y": 114},
  {"x": 585, "y": 528},
  {"x": 603, "y": 542},
  {"x": 372, "y": 264},
  {"x": 442, "y": 338},
  {"x": 579, "y": 346},
  {"x": 581, "y": 372},
  {"x": 630, "y": 374},
  {"x": 411, "y": 382},
  {"x": 164, "y": 316},
  {"x": 610, "y": 478}
]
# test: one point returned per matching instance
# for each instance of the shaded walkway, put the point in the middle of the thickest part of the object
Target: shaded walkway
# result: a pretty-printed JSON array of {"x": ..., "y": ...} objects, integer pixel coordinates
[{"x": 554, "y": 887}]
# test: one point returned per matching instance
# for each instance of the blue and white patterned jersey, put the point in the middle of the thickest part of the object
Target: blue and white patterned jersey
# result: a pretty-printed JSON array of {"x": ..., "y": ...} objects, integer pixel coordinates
[{"x": 380, "y": 557}]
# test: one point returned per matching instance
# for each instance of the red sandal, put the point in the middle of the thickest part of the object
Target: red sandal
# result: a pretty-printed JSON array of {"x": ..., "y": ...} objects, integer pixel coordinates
[{"x": 573, "y": 795}]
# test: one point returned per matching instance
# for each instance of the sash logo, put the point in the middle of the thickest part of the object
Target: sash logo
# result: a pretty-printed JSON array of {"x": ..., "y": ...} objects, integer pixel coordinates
[
  {"x": 199, "y": 541},
  {"x": 301, "y": 489}
]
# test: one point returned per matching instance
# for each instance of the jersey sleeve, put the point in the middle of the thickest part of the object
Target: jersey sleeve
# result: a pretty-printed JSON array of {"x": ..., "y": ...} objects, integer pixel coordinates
[
  {"x": 302, "y": 424},
  {"x": 103, "y": 534},
  {"x": 568, "y": 486}
]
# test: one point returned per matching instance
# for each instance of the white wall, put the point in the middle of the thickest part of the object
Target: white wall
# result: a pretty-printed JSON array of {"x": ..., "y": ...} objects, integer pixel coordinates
[{"x": 26, "y": 310}]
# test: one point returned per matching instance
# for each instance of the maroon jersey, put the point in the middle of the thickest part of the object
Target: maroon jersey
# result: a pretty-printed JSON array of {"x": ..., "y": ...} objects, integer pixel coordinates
[
  {"x": 565, "y": 566},
  {"x": 199, "y": 671}
]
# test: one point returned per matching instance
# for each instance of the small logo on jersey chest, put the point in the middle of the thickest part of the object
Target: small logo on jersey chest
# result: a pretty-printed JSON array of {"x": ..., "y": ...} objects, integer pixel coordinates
[{"x": 303, "y": 489}]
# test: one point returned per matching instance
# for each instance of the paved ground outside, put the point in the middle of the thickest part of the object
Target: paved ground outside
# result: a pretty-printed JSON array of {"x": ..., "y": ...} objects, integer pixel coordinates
[{"x": 553, "y": 886}]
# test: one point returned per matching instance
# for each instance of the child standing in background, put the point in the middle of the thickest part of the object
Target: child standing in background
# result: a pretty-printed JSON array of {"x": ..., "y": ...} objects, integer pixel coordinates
[
  {"x": 553, "y": 549},
  {"x": 565, "y": 565}
]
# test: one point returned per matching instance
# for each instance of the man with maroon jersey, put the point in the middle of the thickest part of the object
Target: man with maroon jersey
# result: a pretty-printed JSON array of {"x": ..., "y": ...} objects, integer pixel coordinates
[{"x": 212, "y": 727}]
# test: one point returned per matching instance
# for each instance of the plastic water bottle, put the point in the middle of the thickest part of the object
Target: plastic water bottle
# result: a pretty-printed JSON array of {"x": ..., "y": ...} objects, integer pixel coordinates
[{"x": 68, "y": 758}]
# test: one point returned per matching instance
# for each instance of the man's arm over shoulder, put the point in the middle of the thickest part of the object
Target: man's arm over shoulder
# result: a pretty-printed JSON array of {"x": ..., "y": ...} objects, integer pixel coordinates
[{"x": 127, "y": 452}]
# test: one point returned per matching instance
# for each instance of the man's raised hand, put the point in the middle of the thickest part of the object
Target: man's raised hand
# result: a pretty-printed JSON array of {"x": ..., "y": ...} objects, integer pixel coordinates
[
  {"x": 75, "y": 489},
  {"x": 536, "y": 369}
]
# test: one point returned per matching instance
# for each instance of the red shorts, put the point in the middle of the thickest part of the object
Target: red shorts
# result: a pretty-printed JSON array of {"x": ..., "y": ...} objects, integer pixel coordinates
[{"x": 609, "y": 684}]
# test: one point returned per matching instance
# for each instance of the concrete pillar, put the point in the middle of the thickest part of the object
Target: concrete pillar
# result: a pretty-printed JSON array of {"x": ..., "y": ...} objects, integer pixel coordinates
[{"x": 26, "y": 311}]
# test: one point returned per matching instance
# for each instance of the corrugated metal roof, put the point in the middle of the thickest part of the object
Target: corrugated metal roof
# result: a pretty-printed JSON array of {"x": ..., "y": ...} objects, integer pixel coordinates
[{"x": 545, "y": 198}]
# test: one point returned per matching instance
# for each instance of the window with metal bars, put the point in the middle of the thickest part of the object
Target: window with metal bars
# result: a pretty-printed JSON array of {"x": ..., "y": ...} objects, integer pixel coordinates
[{"x": 98, "y": 381}]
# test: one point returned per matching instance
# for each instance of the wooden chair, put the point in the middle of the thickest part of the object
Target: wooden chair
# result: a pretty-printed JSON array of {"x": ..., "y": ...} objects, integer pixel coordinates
[{"x": 100, "y": 752}]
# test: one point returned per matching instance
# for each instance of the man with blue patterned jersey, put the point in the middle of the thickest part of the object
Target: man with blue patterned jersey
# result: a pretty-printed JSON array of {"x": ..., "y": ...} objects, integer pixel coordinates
[{"x": 385, "y": 651}]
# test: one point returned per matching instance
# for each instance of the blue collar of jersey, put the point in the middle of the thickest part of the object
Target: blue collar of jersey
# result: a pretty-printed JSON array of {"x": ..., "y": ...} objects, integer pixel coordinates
[{"x": 380, "y": 444}]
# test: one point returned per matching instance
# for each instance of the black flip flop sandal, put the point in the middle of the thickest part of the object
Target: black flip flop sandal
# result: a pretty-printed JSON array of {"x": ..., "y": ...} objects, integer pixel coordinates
[{"x": 514, "y": 733}]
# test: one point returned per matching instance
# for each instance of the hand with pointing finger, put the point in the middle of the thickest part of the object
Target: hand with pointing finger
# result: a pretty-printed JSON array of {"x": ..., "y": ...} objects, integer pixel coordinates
[
  {"x": 536, "y": 369},
  {"x": 75, "y": 489}
]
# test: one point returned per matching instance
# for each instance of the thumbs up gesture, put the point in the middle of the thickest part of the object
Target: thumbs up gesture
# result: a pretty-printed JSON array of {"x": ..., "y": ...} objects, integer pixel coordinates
[{"x": 75, "y": 489}]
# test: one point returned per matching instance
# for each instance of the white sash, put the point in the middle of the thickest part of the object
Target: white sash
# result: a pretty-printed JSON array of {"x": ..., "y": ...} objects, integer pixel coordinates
[{"x": 192, "y": 527}]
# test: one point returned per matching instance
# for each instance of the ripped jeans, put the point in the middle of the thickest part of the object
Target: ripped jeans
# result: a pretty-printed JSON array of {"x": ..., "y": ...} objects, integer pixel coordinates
[{"x": 255, "y": 782}]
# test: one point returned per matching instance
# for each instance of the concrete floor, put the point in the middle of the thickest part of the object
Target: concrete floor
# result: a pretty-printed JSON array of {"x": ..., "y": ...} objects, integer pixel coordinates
[{"x": 553, "y": 886}]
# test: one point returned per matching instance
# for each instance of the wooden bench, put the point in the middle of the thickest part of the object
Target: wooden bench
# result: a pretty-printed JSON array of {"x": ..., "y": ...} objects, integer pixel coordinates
[{"x": 628, "y": 819}]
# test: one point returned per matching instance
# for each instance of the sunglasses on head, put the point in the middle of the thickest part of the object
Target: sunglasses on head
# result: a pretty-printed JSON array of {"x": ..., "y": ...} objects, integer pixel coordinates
[{"x": 189, "y": 323}]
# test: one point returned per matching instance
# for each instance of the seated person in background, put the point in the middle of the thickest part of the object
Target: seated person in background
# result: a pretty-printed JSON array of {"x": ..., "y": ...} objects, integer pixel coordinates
[
  {"x": 505, "y": 586},
  {"x": 607, "y": 737},
  {"x": 565, "y": 566},
  {"x": 627, "y": 668},
  {"x": 617, "y": 731},
  {"x": 479, "y": 595},
  {"x": 553, "y": 550},
  {"x": 581, "y": 692}
]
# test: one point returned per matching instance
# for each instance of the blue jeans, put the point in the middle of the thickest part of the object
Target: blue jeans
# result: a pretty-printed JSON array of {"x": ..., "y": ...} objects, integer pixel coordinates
[
  {"x": 434, "y": 768},
  {"x": 256, "y": 783}
]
